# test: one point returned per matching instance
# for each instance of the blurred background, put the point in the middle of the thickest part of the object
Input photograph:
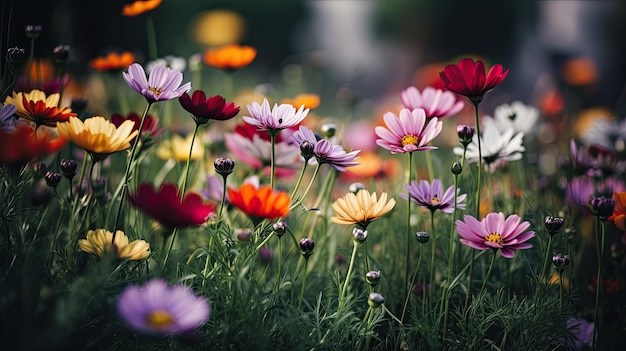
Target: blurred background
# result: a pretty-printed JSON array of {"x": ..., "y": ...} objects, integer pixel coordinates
[{"x": 373, "y": 49}]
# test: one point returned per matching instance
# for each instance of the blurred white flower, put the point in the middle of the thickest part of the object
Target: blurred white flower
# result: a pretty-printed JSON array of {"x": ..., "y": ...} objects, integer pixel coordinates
[{"x": 517, "y": 116}]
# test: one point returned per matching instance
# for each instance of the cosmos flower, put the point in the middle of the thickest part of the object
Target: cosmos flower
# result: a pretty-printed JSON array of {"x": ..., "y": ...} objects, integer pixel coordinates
[
  {"x": 204, "y": 109},
  {"x": 137, "y": 7},
  {"x": 435, "y": 102},
  {"x": 150, "y": 130},
  {"x": 495, "y": 232},
  {"x": 273, "y": 120},
  {"x": 431, "y": 196},
  {"x": 468, "y": 78},
  {"x": 164, "y": 205},
  {"x": 158, "y": 308},
  {"x": 98, "y": 243},
  {"x": 361, "y": 208},
  {"x": 177, "y": 148},
  {"x": 229, "y": 57},
  {"x": 260, "y": 202},
  {"x": 409, "y": 132},
  {"x": 326, "y": 152},
  {"x": 20, "y": 145},
  {"x": 497, "y": 148},
  {"x": 113, "y": 61},
  {"x": 580, "y": 189},
  {"x": 7, "y": 119},
  {"x": 98, "y": 136},
  {"x": 619, "y": 213},
  {"x": 38, "y": 108},
  {"x": 517, "y": 116},
  {"x": 163, "y": 83}
]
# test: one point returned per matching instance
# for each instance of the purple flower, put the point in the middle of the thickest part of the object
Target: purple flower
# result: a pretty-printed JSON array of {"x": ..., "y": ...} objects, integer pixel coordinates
[
  {"x": 581, "y": 332},
  {"x": 163, "y": 83},
  {"x": 409, "y": 132},
  {"x": 435, "y": 102},
  {"x": 431, "y": 196},
  {"x": 273, "y": 120},
  {"x": 495, "y": 232},
  {"x": 157, "y": 308},
  {"x": 326, "y": 152},
  {"x": 7, "y": 120}
]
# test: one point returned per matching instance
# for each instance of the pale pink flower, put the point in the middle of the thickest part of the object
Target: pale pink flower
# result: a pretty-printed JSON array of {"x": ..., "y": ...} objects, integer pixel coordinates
[
  {"x": 435, "y": 102},
  {"x": 409, "y": 132}
]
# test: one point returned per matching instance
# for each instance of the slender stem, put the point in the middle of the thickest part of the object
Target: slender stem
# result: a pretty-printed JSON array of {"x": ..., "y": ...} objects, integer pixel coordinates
[
  {"x": 545, "y": 259},
  {"x": 223, "y": 197},
  {"x": 299, "y": 201},
  {"x": 480, "y": 163},
  {"x": 469, "y": 280},
  {"x": 169, "y": 250},
  {"x": 450, "y": 258},
  {"x": 493, "y": 259},
  {"x": 61, "y": 85},
  {"x": 417, "y": 267},
  {"x": 432, "y": 255},
  {"x": 350, "y": 268},
  {"x": 280, "y": 264},
  {"x": 295, "y": 189},
  {"x": 429, "y": 165},
  {"x": 560, "y": 290},
  {"x": 306, "y": 274},
  {"x": 151, "y": 34},
  {"x": 409, "y": 177},
  {"x": 272, "y": 159},
  {"x": 599, "y": 284},
  {"x": 184, "y": 186}
]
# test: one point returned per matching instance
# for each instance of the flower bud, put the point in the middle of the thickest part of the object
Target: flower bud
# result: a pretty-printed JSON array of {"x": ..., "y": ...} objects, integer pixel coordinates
[
  {"x": 553, "y": 224},
  {"x": 355, "y": 187},
  {"x": 359, "y": 235},
  {"x": 375, "y": 300},
  {"x": 560, "y": 262},
  {"x": 422, "y": 237},
  {"x": 32, "y": 30},
  {"x": 224, "y": 166},
  {"x": 68, "y": 167},
  {"x": 40, "y": 169},
  {"x": 61, "y": 53},
  {"x": 373, "y": 278},
  {"x": 279, "y": 228},
  {"x": 456, "y": 168},
  {"x": 601, "y": 206},
  {"x": 52, "y": 179},
  {"x": 16, "y": 56},
  {"x": 465, "y": 133},
  {"x": 307, "y": 245},
  {"x": 306, "y": 149},
  {"x": 328, "y": 130},
  {"x": 243, "y": 234}
]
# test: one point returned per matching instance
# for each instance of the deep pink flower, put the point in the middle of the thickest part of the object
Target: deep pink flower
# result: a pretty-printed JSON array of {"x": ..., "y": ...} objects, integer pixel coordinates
[
  {"x": 435, "y": 102},
  {"x": 431, "y": 196},
  {"x": 150, "y": 130},
  {"x": 205, "y": 109},
  {"x": 409, "y": 132},
  {"x": 165, "y": 207},
  {"x": 495, "y": 232},
  {"x": 468, "y": 78}
]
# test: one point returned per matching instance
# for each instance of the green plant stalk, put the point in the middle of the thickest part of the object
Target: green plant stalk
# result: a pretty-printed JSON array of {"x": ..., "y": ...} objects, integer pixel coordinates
[
  {"x": 295, "y": 189},
  {"x": 280, "y": 264},
  {"x": 450, "y": 258},
  {"x": 431, "y": 276},
  {"x": 184, "y": 185},
  {"x": 409, "y": 177},
  {"x": 272, "y": 158},
  {"x": 545, "y": 260},
  {"x": 561, "y": 291},
  {"x": 406, "y": 300},
  {"x": 299, "y": 201},
  {"x": 219, "y": 215},
  {"x": 429, "y": 165},
  {"x": 480, "y": 163},
  {"x": 469, "y": 280},
  {"x": 599, "y": 285},
  {"x": 493, "y": 259},
  {"x": 306, "y": 275},
  {"x": 348, "y": 275},
  {"x": 169, "y": 250},
  {"x": 151, "y": 35}
]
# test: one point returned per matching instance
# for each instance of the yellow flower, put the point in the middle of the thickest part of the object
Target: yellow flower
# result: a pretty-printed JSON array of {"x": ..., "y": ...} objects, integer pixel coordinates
[
  {"x": 97, "y": 135},
  {"x": 35, "y": 95},
  {"x": 177, "y": 148},
  {"x": 98, "y": 243},
  {"x": 362, "y": 208}
]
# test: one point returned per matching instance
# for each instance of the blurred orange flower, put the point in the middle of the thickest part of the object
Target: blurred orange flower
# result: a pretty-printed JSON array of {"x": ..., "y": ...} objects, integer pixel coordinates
[
  {"x": 113, "y": 61},
  {"x": 310, "y": 101},
  {"x": 260, "y": 203},
  {"x": 20, "y": 145},
  {"x": 229, "y": 57},
  {"x": 579, "y": 71},
  {"x": 619, "y": 213},
  {"x": 138, "y": 7}
]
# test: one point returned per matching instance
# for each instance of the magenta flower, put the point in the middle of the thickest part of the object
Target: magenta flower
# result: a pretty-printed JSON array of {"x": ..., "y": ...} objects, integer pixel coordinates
[
  {"x": 431, "y": 196},
  {"x": 150, "y": 130},
  {"x": 495, "y": 232},
  {"x": 409, "y": 132},
  {"x": 163, "y": 83},
  {"x": 468, "y": 78},
  {"x": 435, "y": 102},
  {"x": 326, "y": 152},
  {"x": 273, "y": 120},
  {"x": 204, "y": 109},
  {"x": 158, "y": 308}
]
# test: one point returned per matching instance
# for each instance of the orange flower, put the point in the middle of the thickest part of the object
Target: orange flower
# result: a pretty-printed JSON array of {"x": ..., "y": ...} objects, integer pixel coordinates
[
  {"x": 619, "y": 213},
  {"x": 229, "y": 57},
  {"x": 138, "y": 7},
  {"x": 261, "y": 203},
  {"x": 113, "y": 61},
  {"x": 310, "y": 101},
  {"x": 20, "y": 145}
]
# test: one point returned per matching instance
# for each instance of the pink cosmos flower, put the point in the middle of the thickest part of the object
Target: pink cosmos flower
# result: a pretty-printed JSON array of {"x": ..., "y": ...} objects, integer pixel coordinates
[
  {"x": 409, "y": 132},
  {"x": 326, "y": 152},
  {"x": 468, "y": 78},
  {"x": 273, "y": 120},
  {"x": 495, "y": 232},
  {"x": 435, "y": 102},
  {"x": 163, "y": 83},
  {"x": 431, "y": 196}
]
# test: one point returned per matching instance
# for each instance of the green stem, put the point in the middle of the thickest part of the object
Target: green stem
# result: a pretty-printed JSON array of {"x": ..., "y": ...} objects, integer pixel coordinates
[
  {"x": 280, "y": 265},
  {"x": 406, "y": 300},
  {"x": 306, "y": 275},
  {"x": 469, "y": 280},
  {"x": 493, "y": 259},
  {"x": 599, "y": 284},
  {"x": 432, "y": 255},
  {"x": 169, "y": 250},
  {"x": 546, "y": 258},
  {"x": 480, "y": 163},
  {"x": 450, "y": 258},
  {"x": 184, "y": 186},
  {"x": 223, "y": 197},
  {"x": 429, "y": 165},
  {"x": 272, "y": 159},
  {"x": 299, "y": 201},
  {"x": 151, "y": 34},
  {"x": 409, "y": 177},
  {"x": 348, "y": 275},
  {"x": 295, "y": 189}
]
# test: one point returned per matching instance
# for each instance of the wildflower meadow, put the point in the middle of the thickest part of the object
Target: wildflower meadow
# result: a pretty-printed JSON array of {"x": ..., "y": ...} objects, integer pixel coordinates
[{"x": 153, "y": 200}]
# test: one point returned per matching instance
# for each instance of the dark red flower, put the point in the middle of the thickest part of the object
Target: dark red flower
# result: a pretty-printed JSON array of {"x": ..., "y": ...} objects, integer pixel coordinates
[
  {"x": 42, "y": 112},
  {"x": 165, "y": 206},
  {"x": 468, "y": 78},
  {"x": 150, "y": 130},
  {"x": 205, "y": 109},
  {"x": 20, "y": 145}
]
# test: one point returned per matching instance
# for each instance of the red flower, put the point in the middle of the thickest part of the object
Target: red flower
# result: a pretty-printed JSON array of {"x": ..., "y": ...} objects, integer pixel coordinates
[
  {"x": 42, "y": 113},
  {"x": 165, "y": 207},
  {"x": 204, "y": 109},
  {"x": 468, "y": 78},
  {"x": 149, "y": 132},
  {"x": 20, "y": 145},
  {"x": 261, "y": 203}
]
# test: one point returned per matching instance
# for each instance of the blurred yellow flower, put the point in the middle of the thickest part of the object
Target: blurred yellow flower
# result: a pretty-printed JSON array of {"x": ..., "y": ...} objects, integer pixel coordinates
[
  {"x": 229, "y": 57},
  {"x": 177, "y": 148},
  {"x": 219, "y": 27},
  {"x": 97, "y": 135},
  {"x": 362, "y": 208},
  {"x": 98, "y": 243}
]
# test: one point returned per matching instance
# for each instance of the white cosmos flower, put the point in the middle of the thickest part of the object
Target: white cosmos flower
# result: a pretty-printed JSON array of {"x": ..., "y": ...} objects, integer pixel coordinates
[{"x": 517, "y": 116}]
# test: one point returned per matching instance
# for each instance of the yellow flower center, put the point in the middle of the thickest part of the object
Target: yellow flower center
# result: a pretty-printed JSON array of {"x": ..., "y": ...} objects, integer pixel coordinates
[
  {"x": 157, "y": 91},
  {"x": 410, "y": 139},
  {"x": 494, "y": 238},
  {"x": 435, "y": 200},
  {"x": 159, "y": 319}
]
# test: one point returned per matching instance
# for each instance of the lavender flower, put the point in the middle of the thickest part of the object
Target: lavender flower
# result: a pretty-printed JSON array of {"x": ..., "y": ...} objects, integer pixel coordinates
[
  {"x": 326, "y": 152},
  {"x": 7, "y": 119},
  {"x": 163, "y": 83},
  {"x": 273, "y": 120},
  {"x": 431, "y": 196}
]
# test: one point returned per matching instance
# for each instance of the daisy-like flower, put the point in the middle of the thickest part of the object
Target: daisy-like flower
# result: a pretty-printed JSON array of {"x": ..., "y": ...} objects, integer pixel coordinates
[
  {"x": 326, "y": 152},
  {"x": 273, "y": 120},
  {"x": 20, "y": 145},
  {"x": 468, "y": 78},
  {"x": 38, "y": 108},
  {"x": 176, "y": 63},
  {"x": 435, "y": 102},
  {"x": 98, "y": 136},
  {"x": 495, "y": 232},
  {"x": 260, "y": 203},
  {"x": 7, "y": 119},
  {"x": 137, "y": 7},
  {"x": 158, "y": 308},
  {"x": 580, "y": 189},
  {"x": 149, "y": 132},
  {"x": 164, "y": 205},
  {"x": 517, "y": 116},
  {"x": 619, "y": 212},
  {"x": 98, "y": 243},
  {"x": 361, "y": 209},
  {"x": 229, "y": 57},
  {"x": 431, "y": 196},
  {"x": 497, "y": 148},
  {"x": 113, "y": 61},
  {"x": 163, "y": 83},
  {"x": 177, "y": 148},
  {"x": 409, "y": 132},
  {"x": 204, "y": 109}
]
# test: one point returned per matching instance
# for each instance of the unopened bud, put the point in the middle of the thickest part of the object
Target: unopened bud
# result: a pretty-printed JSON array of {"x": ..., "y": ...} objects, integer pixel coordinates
[
  {"x": 279, "y": 228},
  {"x": 373, "y": 277},
  {"x": 307, "y": 245},
  {"x": 224, "y": 166},
  {"x": 456, "y": 168},
  {"x": 359, "y": 235},
  {"x": 375, "y": 300},
  {"x": 422, "y": 237},
  {"x": 52, "y": 179}
]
